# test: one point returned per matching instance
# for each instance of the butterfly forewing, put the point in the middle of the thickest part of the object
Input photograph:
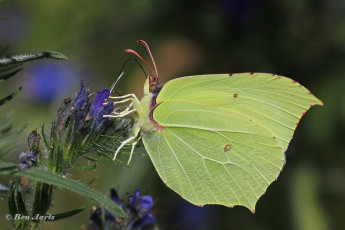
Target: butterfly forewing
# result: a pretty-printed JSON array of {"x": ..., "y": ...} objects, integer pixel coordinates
[{"x": 275, "y": 102}]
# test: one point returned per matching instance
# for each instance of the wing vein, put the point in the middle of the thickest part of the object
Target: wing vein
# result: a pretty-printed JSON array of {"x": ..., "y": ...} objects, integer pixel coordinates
[
  {"x": 203, "y": 159},
  {"x": 184, "y": 172}
]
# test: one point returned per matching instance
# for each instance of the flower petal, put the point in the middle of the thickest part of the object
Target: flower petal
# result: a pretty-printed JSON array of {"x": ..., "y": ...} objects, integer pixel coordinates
[
  {"x": 146, "y": 202},
  {"x": 97, "y": 104}
]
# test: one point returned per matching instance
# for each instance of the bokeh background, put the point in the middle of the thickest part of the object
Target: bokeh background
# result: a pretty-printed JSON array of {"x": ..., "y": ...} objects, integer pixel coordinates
[{"x": 301, "y": 39}]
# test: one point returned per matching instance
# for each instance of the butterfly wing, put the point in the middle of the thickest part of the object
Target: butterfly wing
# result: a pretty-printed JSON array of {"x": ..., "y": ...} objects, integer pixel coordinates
[{"x": 224, "y": 136}]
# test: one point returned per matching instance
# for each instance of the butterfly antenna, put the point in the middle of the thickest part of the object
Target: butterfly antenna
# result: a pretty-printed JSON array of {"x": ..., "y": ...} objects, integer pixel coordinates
[
  {"x": 141, "y": 67},
  {"x": 132, "y": 59},
  {"x": 149, "y": 51},
  {"x": 136, "y": 54},
  {"x": 122, "y": 72}
]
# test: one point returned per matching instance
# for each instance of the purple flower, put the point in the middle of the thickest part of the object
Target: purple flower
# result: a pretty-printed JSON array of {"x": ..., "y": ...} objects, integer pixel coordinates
[
  {"x": 101, "y": 121},
  {"x": 82, "y": 99},
  {"x": 97, "y": 104},
  {"x": 139, "y": 210},
  {"x": 82, "y": 110},
  {"x": 26, "y": 160},
  {"x": 80, "y": 104},
  {"x": 138, "y": 203}
]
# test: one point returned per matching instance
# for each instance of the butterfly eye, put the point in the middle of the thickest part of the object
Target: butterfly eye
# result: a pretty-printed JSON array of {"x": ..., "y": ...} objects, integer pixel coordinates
[
  {"x": 153, "y": 81},
  {"x": 152, "y": 87}
]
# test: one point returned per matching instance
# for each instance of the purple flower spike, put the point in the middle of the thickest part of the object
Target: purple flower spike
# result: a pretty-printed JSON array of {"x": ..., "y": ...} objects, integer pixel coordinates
[
  {"x": 82, "y": 98},
  {"x": 97, "y": 104},
  {"x": 80, "y": 104}
]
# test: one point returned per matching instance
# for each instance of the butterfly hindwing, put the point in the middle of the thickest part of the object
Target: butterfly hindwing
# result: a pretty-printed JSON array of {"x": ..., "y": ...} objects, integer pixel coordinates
[{"x": 224, "y": 136}]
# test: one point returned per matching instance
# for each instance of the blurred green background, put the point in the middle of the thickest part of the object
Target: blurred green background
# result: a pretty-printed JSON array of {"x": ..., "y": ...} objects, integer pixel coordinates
[{"x": 301, "y": 39}]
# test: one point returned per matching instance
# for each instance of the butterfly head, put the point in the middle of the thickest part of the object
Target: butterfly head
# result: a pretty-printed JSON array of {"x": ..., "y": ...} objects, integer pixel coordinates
[{"x": 152, "y": 81}]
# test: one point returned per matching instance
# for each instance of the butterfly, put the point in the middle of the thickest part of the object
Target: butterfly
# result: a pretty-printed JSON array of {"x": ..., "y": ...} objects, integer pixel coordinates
[{"x": 217, "y": 138}]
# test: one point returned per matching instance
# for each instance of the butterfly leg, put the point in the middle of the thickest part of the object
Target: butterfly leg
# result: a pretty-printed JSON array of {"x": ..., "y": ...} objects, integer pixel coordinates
[
  {"x": 132, "y": 96},
  {"x": 122, "y": 101},
  {"x": 127, "y": 109},
  {"x": 122, "y": 114},
  {"x": 132, "y": 150},
  {"x": 123, "y": 144},
  {"x": 128, "y": 97}
]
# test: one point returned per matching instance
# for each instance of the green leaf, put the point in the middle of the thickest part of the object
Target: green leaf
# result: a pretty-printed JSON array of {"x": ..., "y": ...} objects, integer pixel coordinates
[
  {"x": 21, "y": 130},
  {"x": 8, "y": 168},
  {"x": 55, "y": 159},
  {"x": 20, "y": 203},
  {"x": 44, "y": 137},
  {"x": 91, "y": 181},
  {"x": 64, "y": 215},
  {"x": 12, "y": 207},
  {"x": 9, "y": 97},
  {"x": 42, "y": 198},
  {"x": 9, "y": 75},
  {"x": 7, "y": 135},
  {"x": 9, "y": 66},
  {"x": 15, "y": 59},
  {"x": 44, "y": 176}
]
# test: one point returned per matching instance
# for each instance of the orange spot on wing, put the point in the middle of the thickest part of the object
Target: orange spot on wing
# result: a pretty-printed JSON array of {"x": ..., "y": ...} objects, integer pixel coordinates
[{"x": 227, "y": 148}]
